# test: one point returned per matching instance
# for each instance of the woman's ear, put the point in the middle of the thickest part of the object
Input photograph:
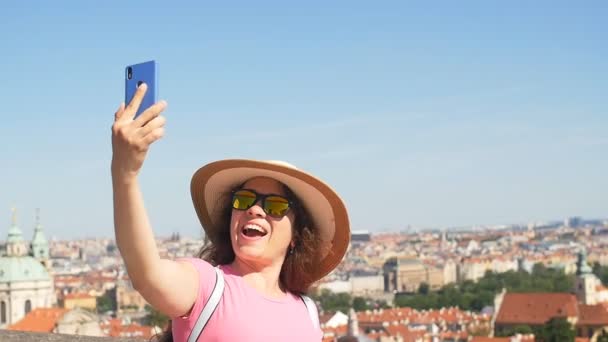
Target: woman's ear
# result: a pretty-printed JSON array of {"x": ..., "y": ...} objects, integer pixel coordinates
[{"x": 292, "y": 244}]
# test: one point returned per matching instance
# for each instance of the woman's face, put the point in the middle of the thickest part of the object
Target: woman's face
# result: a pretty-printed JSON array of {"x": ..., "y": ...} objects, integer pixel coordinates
[{"x": 256, "y": 236}]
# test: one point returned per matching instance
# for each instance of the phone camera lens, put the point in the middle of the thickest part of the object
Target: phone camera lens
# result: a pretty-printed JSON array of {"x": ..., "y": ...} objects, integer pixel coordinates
[{"x": 129, "y": 73}]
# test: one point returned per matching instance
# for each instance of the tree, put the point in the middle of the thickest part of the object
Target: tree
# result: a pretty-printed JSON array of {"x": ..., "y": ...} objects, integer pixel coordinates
[
  {"x": 603, "y": 337},
  {"x": 523, "y": 329},
  {"x": 381, "y": 304},
  {"x": 518, "y": 329},
  {"x": 360, "y": 304},
  {"x": 424, "y": 288},
  {"x": 155, "y": 318},
  {"x": 332, "y": 302},
  {"x": 104, "y": 304},
  {"x": 601, "y": 272},
  {"x": 556, "y": 330},
  {"x": 470, "y": 295}
]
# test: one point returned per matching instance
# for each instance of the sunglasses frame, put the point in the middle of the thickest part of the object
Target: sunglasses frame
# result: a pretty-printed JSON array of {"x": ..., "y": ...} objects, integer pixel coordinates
[{"x": 262, "y": 197}]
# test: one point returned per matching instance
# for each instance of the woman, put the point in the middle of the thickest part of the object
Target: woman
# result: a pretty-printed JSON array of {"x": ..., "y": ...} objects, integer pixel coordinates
[{"x": 271, "y": 229}]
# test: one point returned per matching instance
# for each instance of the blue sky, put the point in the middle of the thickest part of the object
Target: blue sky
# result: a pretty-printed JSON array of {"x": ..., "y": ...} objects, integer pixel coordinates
[{"x": 429, "y": 114}]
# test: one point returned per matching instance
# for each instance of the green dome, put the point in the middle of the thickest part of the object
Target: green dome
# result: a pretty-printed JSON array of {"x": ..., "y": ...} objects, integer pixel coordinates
[
  {"x": 14, "y": 234},
  {"x": 16, "y": 269}
]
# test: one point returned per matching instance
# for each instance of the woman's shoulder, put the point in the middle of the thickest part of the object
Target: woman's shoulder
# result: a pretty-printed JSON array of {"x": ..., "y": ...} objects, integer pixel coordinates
[{"x": 202, "y": 266}]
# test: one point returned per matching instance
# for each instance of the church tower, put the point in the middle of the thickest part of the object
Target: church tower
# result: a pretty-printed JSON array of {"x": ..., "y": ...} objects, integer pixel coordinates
[
  {"x": 24, "y": 282},
  {"x": 40, "y": 245},
  {"x": 15, "y": 245},
  {"x": 586, "y": 282},
  {"x": 353, "y": 323}
]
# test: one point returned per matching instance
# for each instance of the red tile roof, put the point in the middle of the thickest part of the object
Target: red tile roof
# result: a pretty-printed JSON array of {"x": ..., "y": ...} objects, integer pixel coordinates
[
  {"x": 114, "y": 328},
  {"x": 592, "y": 315},
  {"x": 39, "y": 320},
  {"x": 490, "y": 339},
  {"x": 78, "y": 296},
  {"x": 524, "y": 338},
  {"x": 536, "y": 308}
]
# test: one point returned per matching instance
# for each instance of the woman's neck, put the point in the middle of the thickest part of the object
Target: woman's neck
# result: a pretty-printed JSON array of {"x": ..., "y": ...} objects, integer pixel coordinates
[{"x": 263, "y": 278}]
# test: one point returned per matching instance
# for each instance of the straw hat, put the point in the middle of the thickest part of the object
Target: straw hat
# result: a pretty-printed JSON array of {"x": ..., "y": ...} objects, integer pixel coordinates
[{"x": 326, "y": 209}]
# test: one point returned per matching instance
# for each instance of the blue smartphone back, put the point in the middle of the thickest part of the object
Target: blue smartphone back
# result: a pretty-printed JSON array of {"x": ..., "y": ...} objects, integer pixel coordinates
[{"x": 146, "y": 72}]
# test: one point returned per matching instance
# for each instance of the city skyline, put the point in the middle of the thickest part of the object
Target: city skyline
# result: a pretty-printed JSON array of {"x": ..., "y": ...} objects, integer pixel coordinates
[
  {"x": 420, "y": 115},
  {"x": 409, "y": 229}
]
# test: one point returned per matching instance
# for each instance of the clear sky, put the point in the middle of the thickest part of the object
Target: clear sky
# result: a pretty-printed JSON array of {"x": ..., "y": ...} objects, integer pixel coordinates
[{"x": 430, "y": 114}]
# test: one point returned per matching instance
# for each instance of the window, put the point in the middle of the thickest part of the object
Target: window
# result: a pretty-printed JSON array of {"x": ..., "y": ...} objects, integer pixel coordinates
[
  {"x": 3, "y": 312},
  {"x": 28, "y": 306}
]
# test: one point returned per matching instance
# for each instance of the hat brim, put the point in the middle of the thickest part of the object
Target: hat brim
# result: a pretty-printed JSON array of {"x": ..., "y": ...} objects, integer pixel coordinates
[{"x": 325, "y": 207}]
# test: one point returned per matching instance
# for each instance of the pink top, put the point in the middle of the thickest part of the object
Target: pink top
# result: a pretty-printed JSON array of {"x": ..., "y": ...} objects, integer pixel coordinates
[{"x": 244, "y": 314}]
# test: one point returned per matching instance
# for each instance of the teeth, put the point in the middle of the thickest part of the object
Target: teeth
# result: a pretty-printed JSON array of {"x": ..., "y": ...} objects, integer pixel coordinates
[{"x": 254, "y": 227}]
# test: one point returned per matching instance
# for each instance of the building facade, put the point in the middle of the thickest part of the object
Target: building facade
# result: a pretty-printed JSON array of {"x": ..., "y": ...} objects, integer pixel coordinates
[{"x": 25, "y": 283}]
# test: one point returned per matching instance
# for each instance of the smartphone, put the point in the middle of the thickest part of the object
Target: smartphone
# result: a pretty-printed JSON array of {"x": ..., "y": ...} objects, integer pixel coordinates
[{"x": 136, "y": 74}]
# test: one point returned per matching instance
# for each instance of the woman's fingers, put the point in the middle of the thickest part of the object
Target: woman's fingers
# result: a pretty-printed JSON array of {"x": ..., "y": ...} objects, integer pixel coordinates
[
  {"x": 153, "y": 124},
  {"x": 154, "y": 135},
  {"x": 133, "y": 106},
  {"x": 120, "y": 111},
  {"x": 150, "y": 113}
]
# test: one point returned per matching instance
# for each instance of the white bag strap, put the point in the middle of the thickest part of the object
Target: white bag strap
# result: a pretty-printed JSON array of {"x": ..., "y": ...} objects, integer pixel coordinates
[
  {"x": 209, "y": 308},
  {"x": 312, "y": 310}
]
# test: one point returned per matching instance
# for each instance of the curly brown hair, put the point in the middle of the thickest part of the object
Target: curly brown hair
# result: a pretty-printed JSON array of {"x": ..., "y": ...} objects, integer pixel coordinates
[{"x": 217, "y": 249}]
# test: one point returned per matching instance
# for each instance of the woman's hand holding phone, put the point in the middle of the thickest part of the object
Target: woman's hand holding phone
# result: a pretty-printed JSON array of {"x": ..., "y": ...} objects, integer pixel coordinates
[{"x": 132, "y": 137}]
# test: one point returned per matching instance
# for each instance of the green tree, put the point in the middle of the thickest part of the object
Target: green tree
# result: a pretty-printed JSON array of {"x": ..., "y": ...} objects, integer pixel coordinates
[
  {"x": 518, "y": 329},
  {"x": 104, "y": 304},
  {"x": 360, "y": 304},
  {"x": 381, "y": 304},
  {"x": 155, "y": 318},
  {"x": 601, "y": 272},
  {"x": 603, "y": 337},
  {"x": 424, "y": 288},
  {"x": 556, "y": 330},
  {"x": 332, "y": 302},
  {"x": 470, "y": 295},
  {"x": 523, "y": 329}
]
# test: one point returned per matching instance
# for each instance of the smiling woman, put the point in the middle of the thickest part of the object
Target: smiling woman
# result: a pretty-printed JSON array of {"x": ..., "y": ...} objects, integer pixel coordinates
[{"x": 271, "y": 230}]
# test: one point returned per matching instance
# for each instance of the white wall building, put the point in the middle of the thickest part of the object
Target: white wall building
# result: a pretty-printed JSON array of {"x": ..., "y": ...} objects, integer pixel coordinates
[{"x": 25, "y": 283}]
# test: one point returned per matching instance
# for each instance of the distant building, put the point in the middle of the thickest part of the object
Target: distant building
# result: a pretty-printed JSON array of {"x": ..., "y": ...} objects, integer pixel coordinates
[
  {"x": 366, "y": 283},
  {"x": 337, "y": 286},
  {"x": 79, "y": 322},
  {"x": 25, "y": 283},
  {"x": 533, "y": 309},
  {"x": 573, "y": 222},
  {"x": 352, "y": 334},
  {"x": 127, "y": 298},
  {"x": 586, "y": 309},
  {"x": 78, "y": 300},
  {"x": 588, "y": 287},
  {"x": 406, "y": 275},
  {"x": 450, "y": 272},
  {"x": 360, "y": 236},
  {"x": 357, "y": 284}
]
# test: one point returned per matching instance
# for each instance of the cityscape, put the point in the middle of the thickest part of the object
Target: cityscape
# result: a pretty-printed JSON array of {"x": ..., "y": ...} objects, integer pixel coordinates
[
  {"x": 460, "y": 143},
  {"x": 506, "y": 283}
]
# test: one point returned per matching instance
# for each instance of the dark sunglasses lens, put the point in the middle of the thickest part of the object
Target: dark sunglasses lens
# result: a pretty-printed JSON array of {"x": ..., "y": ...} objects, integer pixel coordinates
[
  {"x": 243, "y": 199},
  {"x": 276, "y": 206}
]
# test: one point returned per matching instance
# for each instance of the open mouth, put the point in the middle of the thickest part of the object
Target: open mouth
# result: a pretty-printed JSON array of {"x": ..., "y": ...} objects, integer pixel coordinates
[{"x": 253, "y": 231}]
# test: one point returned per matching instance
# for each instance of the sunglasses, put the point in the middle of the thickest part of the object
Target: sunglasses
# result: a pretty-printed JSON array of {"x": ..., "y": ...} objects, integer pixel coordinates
[{"x": 273, "y": 205}]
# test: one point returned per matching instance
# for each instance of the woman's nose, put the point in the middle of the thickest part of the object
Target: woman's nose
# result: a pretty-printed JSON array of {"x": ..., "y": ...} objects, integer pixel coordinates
[{"x": 256, "y": 211}]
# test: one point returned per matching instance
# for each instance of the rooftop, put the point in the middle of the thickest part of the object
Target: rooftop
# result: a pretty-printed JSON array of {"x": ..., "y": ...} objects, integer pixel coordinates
[{"x": 20, "y": 336}]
